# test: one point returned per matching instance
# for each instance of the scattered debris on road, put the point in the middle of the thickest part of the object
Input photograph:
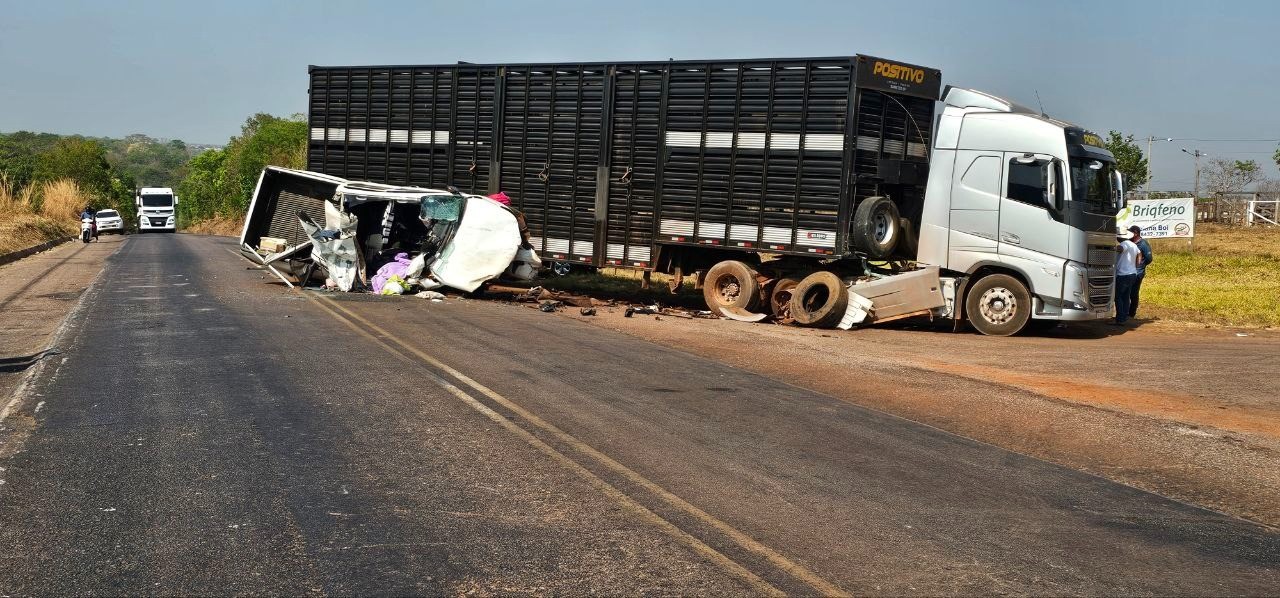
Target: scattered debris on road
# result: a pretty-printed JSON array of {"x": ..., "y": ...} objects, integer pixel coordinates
[{"x": 413, "y": 238}]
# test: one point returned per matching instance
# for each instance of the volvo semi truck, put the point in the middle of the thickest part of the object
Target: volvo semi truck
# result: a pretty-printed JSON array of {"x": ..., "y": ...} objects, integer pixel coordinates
[
  {"x": 778, "y": 183},
  {"x": 157, "y": 209}
]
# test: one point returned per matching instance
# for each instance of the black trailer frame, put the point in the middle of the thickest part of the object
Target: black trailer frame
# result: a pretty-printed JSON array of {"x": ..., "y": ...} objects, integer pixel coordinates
[{"x": 644, "y": 164}]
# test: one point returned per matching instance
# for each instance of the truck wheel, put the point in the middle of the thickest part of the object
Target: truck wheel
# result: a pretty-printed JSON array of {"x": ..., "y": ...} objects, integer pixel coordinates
[
  {"x": 998, "y": 305},
  {"x": 876, "y": 227},
  {"x": 780, "y": 295},
  {"x": 819, "y": 300},
  {"x": 731, "y": 284}
]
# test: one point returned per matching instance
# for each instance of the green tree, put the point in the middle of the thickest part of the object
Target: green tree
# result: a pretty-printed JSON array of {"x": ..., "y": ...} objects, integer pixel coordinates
[
  {"x": 1129, "y": 159},
  {"x": 265, "y": 140},
  {"x": 20, "y": 153},
  {"x": 1276, "y": 157},
  {"x": 81, "y": 160},
  {"x": 204, "y": 190}
]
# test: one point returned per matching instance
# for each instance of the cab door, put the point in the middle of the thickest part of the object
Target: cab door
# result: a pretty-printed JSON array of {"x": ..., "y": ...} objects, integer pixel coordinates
[{"x": 1032, "y": 209}]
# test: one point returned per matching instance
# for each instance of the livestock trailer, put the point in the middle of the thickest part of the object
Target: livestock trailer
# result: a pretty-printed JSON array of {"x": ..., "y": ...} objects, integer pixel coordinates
[{"x": 650, "y": 165}]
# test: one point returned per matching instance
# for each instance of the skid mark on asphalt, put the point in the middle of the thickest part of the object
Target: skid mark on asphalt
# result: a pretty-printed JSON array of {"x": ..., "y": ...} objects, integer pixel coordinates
[
  {"x": 822, "y": 586},
  {"x": 1168, "y": 406}
]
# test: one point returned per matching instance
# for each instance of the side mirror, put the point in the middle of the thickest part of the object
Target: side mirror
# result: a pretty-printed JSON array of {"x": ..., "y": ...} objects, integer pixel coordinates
[
  {"x": 1118, "y": 183},
  {"x": 175, "y": 200},
  {"x": 1055, "y": 190}
]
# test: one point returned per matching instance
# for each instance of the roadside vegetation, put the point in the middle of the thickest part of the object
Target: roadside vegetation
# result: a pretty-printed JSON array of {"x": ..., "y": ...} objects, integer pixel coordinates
[
  {"x": 214, "y": 184},
  {"x": 219, "y": 183},
  {"x": 1231, "y": 276},
  {"x": 38, "y": 213}
]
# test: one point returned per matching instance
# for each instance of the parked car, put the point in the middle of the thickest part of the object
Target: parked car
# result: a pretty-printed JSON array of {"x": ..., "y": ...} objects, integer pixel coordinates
[{"x": 109, "y": 221}]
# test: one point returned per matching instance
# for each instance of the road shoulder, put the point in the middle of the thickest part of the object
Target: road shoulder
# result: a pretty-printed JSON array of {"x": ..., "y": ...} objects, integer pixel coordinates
[
  {"x": 1003, "y": 392},
  {"x": 38, "y": 294}
]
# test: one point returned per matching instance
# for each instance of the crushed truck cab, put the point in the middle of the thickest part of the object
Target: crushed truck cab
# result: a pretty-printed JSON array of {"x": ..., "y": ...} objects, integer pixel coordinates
[{"x": 299, "y": 221}]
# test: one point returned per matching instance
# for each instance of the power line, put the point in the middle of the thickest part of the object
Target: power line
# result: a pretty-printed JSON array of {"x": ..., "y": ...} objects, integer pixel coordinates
[{"x": 1227, "y": 140}]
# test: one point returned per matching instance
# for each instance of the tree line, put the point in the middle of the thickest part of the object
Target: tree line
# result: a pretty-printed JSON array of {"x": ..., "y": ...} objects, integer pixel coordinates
[
  {"x": 107, "y": 170},
  {"x": 210, "y": 181}
]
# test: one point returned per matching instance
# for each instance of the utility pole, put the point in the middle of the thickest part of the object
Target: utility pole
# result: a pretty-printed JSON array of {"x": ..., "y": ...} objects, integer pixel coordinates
[
  {"x": 1197, "y": 154},
  {"x": 1149, "y": 140}
]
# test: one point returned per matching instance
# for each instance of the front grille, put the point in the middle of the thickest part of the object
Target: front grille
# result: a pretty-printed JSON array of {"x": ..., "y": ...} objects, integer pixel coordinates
[
  {"x": 1101, "y": 286},
  {"x": 1102, "y": 255}
]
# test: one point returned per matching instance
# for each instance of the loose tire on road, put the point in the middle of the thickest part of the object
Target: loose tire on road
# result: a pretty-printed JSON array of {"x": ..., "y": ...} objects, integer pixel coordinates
[
  {"x": 998, "y": 305},
  {"x": 780, "y": 295},
  {"x": 819, "y": 300},
  {"x": 731, "y": 284},
  {"x": 877, "y": 227}
]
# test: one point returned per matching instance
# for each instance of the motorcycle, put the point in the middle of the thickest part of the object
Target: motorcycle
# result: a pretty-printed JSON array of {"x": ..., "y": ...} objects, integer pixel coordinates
[{"x": 86, "y": 229}]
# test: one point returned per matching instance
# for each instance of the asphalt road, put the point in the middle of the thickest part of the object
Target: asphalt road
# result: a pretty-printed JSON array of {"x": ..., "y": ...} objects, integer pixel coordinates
[{"x": 208, "y": 432}]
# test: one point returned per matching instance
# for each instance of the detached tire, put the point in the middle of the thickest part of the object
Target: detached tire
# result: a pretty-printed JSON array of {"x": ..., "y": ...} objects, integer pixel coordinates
[
  {"x": 819, "y": 300},
  {"x": 731, "y": 284},
  {"x": 998, "y": 305},
  {"x": 877, "y": 227},
  {"x": 780, "y": 295}
]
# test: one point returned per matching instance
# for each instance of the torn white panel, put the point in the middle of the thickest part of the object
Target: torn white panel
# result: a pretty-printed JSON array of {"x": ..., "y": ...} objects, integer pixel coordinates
[
  {"x": 857, "y": 312},
  {"x": 335, "y": 252},
  {"x": 741, "y": 315},
  {"x": 482, "y": 247},
  {"x": 526, "y": 265}
]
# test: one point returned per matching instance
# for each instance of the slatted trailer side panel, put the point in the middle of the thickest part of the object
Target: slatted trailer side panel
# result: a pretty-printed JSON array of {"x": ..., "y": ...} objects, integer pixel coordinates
[
  {"x": 635, "y": 143},
  {"x": 754, "y": 154},
  {"x": 609, "y": 161},
  {"x": 426, "y": 126},
  {"x": 551, "y": 131}
]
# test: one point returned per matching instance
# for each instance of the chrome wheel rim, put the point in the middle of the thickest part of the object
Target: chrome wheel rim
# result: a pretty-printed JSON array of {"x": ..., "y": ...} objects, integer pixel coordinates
[{"x": 998, "y": 305}]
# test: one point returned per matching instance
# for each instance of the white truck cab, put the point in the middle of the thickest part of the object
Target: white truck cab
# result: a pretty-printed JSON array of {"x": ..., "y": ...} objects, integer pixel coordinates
[
  {"x": 157, "y": 209},
  {"x": 1021, "y": 205}
]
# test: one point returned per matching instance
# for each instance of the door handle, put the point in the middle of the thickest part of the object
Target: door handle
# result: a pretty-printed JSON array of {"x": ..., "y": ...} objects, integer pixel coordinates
[{"x": 1010, "y": 238}]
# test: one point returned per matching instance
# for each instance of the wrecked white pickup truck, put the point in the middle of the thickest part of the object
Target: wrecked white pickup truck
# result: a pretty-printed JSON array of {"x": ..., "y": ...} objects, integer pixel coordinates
[{"x": 303, "y": 223}]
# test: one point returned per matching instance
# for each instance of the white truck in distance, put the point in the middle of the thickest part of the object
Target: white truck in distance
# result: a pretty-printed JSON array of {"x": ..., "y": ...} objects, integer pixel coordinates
[{"x": 157, "y": 209}]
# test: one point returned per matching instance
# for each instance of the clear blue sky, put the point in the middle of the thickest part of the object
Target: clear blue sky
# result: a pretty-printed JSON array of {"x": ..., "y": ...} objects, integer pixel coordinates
[{"x": 195, "y": 71}]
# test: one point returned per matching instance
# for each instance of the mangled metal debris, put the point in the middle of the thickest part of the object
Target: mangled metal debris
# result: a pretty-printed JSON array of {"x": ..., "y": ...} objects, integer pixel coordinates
[{"x": 411, "y": 238}]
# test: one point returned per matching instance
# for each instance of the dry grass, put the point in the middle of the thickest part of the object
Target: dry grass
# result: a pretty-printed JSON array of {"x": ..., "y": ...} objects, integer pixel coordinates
[
  {"x": 35, "y": 215},
  {"x": 63, "y": 200},
  {"x": 221, "y": 226},
  {"x": 1231, "y": 278}
]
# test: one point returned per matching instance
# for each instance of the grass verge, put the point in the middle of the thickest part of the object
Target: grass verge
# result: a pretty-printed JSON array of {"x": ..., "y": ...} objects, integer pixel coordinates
[
  {"x": 1231, "y": 278},
  {"x": 221, "y": 226},
  {"x": 37, "y": 214}
]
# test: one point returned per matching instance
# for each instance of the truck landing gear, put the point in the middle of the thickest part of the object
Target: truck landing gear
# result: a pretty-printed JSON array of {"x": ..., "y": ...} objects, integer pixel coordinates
[{"x": 998, "y": 305}]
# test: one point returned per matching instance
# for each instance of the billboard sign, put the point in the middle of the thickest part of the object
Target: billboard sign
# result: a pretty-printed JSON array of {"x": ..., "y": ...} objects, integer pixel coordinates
[{"x": 1160, "y": 218}]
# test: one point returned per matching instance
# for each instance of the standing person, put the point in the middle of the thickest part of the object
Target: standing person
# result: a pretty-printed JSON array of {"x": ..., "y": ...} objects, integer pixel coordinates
[
  {"x": 1145, "y": 249},
  {"x": 1128, "y": 258}
]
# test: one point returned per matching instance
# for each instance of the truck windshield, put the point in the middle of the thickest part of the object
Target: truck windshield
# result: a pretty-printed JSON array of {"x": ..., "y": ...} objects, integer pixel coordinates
[
  {"x": 1091, "y": 186},
  {"x": 157, "y": 201}
]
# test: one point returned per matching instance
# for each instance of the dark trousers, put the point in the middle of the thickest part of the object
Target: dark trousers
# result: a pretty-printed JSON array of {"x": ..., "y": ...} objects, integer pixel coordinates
[
  {"x": 1124, "y": 294},
  {"x": 1133, "y": 293}
]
